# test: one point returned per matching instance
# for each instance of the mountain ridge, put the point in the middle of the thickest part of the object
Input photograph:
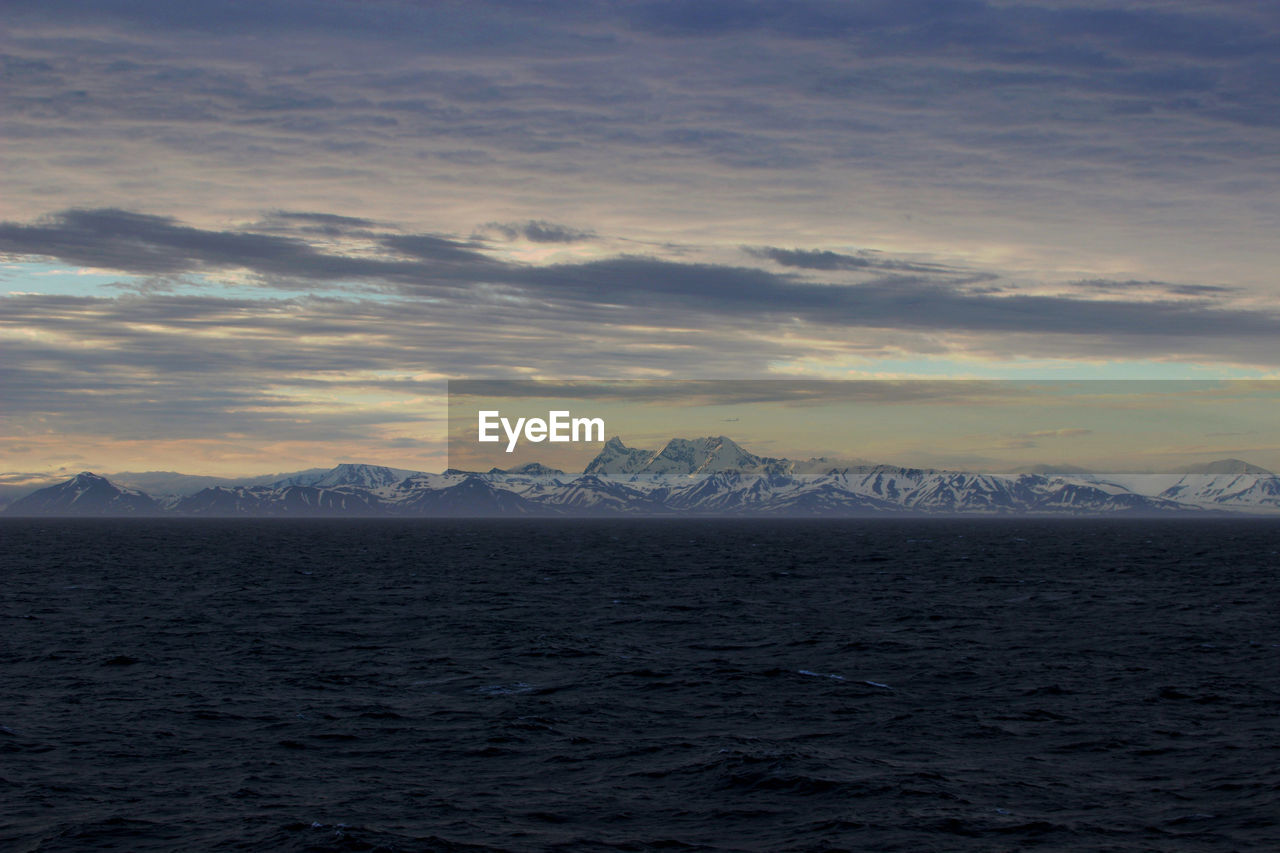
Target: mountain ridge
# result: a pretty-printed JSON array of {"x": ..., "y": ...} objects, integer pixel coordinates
[
  {"x": 86, "y": 494},
  {"x": 712, "y": 475}
]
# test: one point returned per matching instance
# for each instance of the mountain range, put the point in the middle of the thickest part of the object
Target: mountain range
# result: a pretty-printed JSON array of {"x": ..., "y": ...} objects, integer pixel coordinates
[{"x": 702, "y": 476}]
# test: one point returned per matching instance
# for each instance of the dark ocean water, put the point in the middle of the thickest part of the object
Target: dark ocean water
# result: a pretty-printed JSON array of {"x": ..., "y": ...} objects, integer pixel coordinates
[{"x": 639, "y": 685}]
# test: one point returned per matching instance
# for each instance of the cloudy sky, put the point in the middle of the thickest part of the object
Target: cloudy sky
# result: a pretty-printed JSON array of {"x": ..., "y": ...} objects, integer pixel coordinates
[{"x": 239, "y": 237}]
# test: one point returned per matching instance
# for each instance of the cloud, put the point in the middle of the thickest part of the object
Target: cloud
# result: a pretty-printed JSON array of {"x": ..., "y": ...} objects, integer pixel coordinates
[
  {"x": 428, "y": 247},
  {"x": 721, "y": 392},
  {"x": 1034, "y": 438},
  {"x": 435, "y": 266},
  {"x": 307, "y": 369},
  {"x": 133, "y": 242},
  {"x": 1172, "y": 289},
  {"x": 326, "y": 224},
  {"x": 1065, "y": 432},
  {"x": 141, "y": 243},
  {"x": 1072, "y": 180},
  {"x": 537, "y": 231},
  {"x": 999, "y": 128},
  {"x": 1066, "y": 31},
  {"x": 902, "y": 302},
  {"x": 361, "y": 366},
  {"x": 827, "y": 260}
]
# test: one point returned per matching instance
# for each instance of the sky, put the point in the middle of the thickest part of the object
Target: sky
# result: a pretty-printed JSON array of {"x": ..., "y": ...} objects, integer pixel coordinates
[
  {"x": 1121, "y": 426},
  {"x": 243, "y": 237}
]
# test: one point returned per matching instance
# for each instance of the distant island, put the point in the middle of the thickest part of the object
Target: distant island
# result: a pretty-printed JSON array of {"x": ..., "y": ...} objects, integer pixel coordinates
[{"x": 710, "y": 476}]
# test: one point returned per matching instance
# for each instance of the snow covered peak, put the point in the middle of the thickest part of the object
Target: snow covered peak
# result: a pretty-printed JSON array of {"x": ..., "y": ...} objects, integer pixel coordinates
[
  {"x": 355, "y": 474},
  {"x": 348, "y": 474},
  {"x": 710, "y": 455},
  {"x": 680, "y": 457},
  {"x": 529, "y": 469},
  {"x": 615, "y": 459},
  {"x": 84, "y": 494}
]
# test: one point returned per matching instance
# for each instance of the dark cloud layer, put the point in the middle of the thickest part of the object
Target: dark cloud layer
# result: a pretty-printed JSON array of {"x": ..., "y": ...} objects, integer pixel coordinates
[
  {"x": 922, "y": 297},
  {"x": 1130, "y": 286},
  {"x": 138, "y": 243},
  {"x": 537, "y": 231},
  {"x": 947, "y": 92},
  {"x": 824, "y": 259}
]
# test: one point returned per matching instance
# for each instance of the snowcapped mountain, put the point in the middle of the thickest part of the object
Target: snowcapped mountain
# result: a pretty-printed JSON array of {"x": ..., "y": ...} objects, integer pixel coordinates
[
  {"x": 925, "y": 489},
  {"x": 174, "y": 484},
  {"x": 1228, "y": 484},
  {"x": 85, "y": 494},
  {"x": 702, "y": 476},
  {"x": 284, "y": 501},
  {"x": 594, "y": 495},
  {"x": 469, "y": 497},
  {"x": 1226, "y": 490},
  {"x": 348, "y": 474},
  {"x": 530, "y": 469},
  {"x": 615, "y": 459},
  {"x": 222, "y": 501},
  {"x": 165, "y": 482},
  {"x": 735, "y": 492},
  {"x": 686, "y": 457},
  {"x": 1063, "y": 495},
  {"x": 680, "y": 457}
]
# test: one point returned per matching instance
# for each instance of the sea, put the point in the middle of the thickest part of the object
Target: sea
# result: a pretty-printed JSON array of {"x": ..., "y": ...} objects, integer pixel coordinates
[{"x": 640, "y": 684}]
